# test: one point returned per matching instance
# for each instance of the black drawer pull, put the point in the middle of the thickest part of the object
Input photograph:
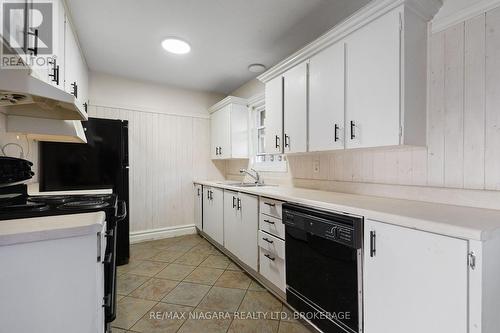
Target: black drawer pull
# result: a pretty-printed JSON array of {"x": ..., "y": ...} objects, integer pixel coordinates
[
  {"x": 269, "y": 257},
  {"x": 269, "y": 204},
  {"x": 270, "y": 222},
  {"x": 373, "y": 245},
  {"x": 267, "y": 240}
]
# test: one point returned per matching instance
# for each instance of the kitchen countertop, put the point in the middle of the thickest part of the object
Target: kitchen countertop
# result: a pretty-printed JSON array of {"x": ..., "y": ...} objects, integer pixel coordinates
[
  {"x": 449, "y": 220},
  {"x": 50, "y": 227}
]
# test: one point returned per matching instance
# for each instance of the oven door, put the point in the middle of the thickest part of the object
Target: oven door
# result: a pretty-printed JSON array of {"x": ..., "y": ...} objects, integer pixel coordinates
[{"x": 323, "y": 276}]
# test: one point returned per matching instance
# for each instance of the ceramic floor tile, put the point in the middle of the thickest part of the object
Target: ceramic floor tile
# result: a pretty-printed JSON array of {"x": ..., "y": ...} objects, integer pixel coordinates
[
  {"x": 206, "y": 248},
  {"x": 148, "y": 268},
  {"x": 191, "y": 258},
  {"x": 216, "y": 262},
  {"x": 143, "y": 252},
  {"x": 175, "y": 272},
  {"x": 261, "y": 301},
  {"x": 130, "y": 310},
  {"x": 167, "y": 256},
  {"x": 233, "y": 267},
  {"x": 222, "y": 299},
  {"x": 288, "y": 327},
  {"x": 232, "y": 279},
  {"x": 204, "y": 275},
  {"x": 180, "y": 247},
  {"x": 154, "y": 289},
  {"x": 254, "y": 325},
  {"x": 187, "y": 294},
  {"x": 288, "y": 315},
  {"x": 157, "y": 320},
  {"x": 126, "y": 268},
  {"x": 126, "y": 283},
  {"x": 255, "y": 286},
  {"x": 206, "y": 324}
]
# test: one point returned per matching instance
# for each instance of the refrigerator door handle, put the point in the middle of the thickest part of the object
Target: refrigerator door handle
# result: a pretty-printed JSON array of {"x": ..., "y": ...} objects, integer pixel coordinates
[{"x": 123, "y": 214}]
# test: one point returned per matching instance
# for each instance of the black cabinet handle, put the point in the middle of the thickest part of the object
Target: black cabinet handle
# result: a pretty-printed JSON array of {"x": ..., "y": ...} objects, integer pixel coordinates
[
  {"x": 267, "y": 240},
  {"x": 269, "y": 257},
  {"x": 353, "y": 134},
  {"x": 85, "y": 106},
  {"x": 239, "y": 204},
  {"x": 35, "y": 48},
  {"x": 198, "y": 190},
  {"x": 277, "y": 142},
  {"x": 336, "y": 137},
  {"x": 208, "y": 194},
  {"x": 55, "y": 71},
  {"x": 269, "y": 204},
  {"x": 287, "y": 141},
  {"x": 75, "y": 89},
  {"x": 211, "y": 195},
  {"x": 373, "y": 245},
  {"x": 270, "y": 222},
  {"x": 234, "y": 202},
  {"x": 220, "y": 150}
]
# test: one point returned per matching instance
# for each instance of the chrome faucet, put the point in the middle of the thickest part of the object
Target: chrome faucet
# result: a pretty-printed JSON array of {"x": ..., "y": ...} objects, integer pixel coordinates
[{"x": 256, "y": 176}]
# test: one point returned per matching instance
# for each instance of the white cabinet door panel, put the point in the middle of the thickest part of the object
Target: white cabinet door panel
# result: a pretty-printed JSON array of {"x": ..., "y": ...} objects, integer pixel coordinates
[
  {"x": 213, "y": 215},
  {"x": 274, "y": 116},
  {"x": 248, "y": 225},
  {"x": 415, "y": 282},
  {"x": 373, "y": 83},
  {"x": 198, "y": 206},
  {"x": 326, "y": 99},
  {"x": 295, "y": 109},
  {"x": 231, "y": 232}
]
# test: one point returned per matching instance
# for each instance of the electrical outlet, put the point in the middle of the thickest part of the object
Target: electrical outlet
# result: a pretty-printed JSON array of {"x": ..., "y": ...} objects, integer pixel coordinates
[{"x": 316, "y": 166}]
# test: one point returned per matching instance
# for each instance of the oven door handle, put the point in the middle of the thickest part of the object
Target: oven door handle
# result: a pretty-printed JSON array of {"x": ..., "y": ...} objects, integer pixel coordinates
[{"x": 123, "y": 208}]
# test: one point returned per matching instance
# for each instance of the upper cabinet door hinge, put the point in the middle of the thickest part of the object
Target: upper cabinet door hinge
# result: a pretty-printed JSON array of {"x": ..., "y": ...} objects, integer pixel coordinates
[{"x": 471, "y": 260}]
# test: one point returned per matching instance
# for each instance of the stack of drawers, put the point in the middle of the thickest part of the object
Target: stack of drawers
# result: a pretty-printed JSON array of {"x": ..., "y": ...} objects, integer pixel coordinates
[{"x": 272, "y": 242}]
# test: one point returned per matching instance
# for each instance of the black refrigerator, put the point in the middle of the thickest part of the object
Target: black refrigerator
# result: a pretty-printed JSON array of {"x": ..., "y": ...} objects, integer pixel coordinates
[{"x": 101, "y": 163}]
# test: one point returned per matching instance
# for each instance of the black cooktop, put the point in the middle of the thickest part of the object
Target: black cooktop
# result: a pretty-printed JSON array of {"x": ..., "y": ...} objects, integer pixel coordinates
[{"x": 24, "y": 206}]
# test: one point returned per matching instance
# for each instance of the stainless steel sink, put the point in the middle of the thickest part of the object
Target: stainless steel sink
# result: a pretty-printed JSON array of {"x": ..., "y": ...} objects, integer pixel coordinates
[{"x": 240, "y": 184}]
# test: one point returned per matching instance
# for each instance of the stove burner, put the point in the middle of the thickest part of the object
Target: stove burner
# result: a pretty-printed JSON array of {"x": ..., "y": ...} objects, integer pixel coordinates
[
  {"x": 28, "y": 206},
  {"x": 83, "y": 204}
]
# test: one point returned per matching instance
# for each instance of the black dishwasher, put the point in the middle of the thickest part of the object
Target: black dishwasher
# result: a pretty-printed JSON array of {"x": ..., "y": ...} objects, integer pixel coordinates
[{"x": 323, "y": 267}]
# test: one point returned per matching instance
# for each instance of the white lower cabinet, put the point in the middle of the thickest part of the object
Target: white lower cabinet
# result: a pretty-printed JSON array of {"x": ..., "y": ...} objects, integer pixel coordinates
[
  {"x": 241, "y": 214},
  {"x": 272, "y": 259},
  {"x": 198, "y": 206},
  {"x": 213, "y": 213},
  {"x": 414, "y": 281}
]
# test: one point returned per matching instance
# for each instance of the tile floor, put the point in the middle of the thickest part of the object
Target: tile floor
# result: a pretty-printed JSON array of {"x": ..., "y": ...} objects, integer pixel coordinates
[{"x": 201, "y": 289}]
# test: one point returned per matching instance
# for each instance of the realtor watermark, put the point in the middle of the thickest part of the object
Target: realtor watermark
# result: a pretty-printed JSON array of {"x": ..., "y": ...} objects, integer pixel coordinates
[
  {"x": 28, "y": 29},
  {"x": 256, "y": 315}
]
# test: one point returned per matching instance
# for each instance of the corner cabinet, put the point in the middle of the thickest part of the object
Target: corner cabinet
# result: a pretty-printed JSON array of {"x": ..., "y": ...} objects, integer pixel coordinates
[
  {"x": 361, "y": 85},
  {"x": 414, "y": 281},
  {"x": 229, "y": 128}
]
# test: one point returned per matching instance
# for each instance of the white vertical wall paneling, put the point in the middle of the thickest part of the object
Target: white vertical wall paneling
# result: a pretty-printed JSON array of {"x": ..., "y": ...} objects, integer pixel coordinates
[
  {"x": 492, "y": 146},
  {"x": 454, "y": 108},
  {"x": 436, "y": 111},
  {"x": 419, "y": 166},
  {"x": 474, "y": 103}
]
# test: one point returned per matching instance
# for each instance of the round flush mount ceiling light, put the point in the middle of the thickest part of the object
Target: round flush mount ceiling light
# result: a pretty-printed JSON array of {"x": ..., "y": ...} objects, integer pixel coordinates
[
  {"x": 256, "y": 68},
  {"x": 176, "y": 46}
]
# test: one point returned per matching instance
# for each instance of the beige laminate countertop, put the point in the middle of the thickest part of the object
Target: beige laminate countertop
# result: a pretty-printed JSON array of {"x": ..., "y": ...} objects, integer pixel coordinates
[
  {"x": 50, "y": 227},
  {"x": 449, "y": 220}
]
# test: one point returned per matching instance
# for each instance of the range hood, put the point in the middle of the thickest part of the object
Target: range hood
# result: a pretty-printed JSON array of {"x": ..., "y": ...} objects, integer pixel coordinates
[
  {"x": 22, "y": 94},
  {"x": 47, "y": 129}
]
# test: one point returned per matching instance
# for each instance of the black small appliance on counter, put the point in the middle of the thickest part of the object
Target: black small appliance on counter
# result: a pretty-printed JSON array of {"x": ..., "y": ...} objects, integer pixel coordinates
[{"x": 102, "y": 163}]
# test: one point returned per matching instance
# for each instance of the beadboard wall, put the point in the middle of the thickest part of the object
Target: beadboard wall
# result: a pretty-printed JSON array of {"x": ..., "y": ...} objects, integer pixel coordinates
[
  {"x": 461, "y": 164},
  {"x": 166, "y": 153}
]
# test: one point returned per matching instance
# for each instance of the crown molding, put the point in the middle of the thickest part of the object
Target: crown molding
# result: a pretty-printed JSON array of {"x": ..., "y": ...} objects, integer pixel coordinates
[
  {"x": 227, "y": 101},
  {"x": 464, "y": 14},
  {"x": 256, "y": 100},
  {"x": 426, "y": 9}
]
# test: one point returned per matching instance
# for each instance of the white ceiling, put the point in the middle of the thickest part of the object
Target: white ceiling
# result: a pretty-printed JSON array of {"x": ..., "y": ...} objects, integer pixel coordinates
[{"x": 123, "y": 37}]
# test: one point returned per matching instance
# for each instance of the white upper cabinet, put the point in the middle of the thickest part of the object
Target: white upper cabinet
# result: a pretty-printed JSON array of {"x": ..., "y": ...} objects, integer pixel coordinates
[
  {"x": 410, "y": 275},
  {"x": 326, "y": 99},
  {"x": 372, "y": 84},
  {"x": 274, "y": 116},
  {"x": 295, "y": 109},
  {"x": 229, "y": 129},
  {"x": 365, "y": 86}
]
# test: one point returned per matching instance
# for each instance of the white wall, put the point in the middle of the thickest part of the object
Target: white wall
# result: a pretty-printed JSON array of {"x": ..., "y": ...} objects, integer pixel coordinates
[
  {"x": 169, "y": 146},
  {"x": 463, "y": 153}
]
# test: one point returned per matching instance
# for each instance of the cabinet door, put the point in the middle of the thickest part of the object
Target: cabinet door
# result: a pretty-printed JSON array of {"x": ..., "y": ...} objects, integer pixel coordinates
[
  {"x": 373, "y": 83},
  {"x": 247, "y": 227},
  {"x": 414, "y": 281},
  {"x": 274, "y": 116},
  {"x": 231, "y": 232},
  {"x": 214, "y": 224},
  {"x": 207, "y": 212},
  {"x": 295, "y": 109},
  {"x": 198, "y": 206},
  {"x": 326, "y": 99},
  {"x": 225, "y": 132},
  {"x": 214, "y": 136}
]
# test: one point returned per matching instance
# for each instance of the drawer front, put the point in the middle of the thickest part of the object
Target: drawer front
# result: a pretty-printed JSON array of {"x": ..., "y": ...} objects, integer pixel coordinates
[
  {"x": 272, "y": 244},
  {"x": 272, "y": 225},
  {"x": 271, "y": 207},
  {"x": 272, "y": 270}
]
